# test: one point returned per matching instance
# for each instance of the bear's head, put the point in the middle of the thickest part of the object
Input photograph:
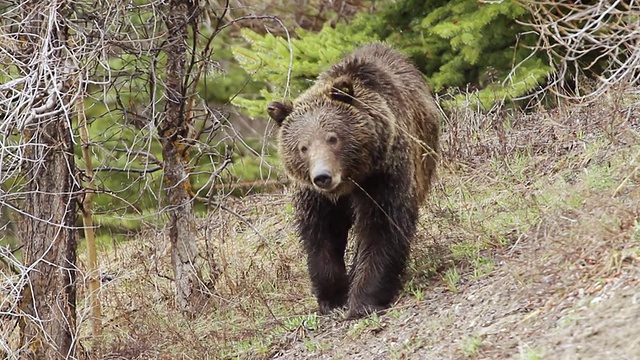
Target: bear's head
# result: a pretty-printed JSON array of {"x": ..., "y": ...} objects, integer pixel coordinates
[{"x": 334, "y": 135}]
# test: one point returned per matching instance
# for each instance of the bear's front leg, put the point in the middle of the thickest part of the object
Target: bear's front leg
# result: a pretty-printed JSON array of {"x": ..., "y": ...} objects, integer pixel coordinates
[
  {"x": 323, "y": 227},
  {"x": 386, "y": 222}
]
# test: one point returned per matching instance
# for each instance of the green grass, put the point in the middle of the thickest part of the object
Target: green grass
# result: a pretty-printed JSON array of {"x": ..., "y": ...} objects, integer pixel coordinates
[
  {"x": 470, "y": 346},
  {"x": 452, "y": 278},
  {"x": 362, "y": 326},
  {"x": 407, "y": 348},
  {"x": 528, "y": 353}
]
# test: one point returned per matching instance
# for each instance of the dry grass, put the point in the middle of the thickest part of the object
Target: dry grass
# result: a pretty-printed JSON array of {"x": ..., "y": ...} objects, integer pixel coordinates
[{"x": 258, "y": 289}]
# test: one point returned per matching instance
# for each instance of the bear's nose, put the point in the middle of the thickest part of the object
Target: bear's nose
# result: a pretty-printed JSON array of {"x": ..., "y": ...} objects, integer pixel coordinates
[{"x": 322, "y": 181}]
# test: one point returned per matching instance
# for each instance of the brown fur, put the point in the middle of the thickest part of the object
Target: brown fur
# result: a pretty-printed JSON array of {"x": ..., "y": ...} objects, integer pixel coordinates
[{"x": 361, "y": 148}]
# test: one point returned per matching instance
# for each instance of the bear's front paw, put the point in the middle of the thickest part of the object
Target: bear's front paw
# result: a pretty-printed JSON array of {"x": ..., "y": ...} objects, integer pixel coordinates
[
  {"x": 362, "y": 310},
  {"x": 325, "y": 307}
]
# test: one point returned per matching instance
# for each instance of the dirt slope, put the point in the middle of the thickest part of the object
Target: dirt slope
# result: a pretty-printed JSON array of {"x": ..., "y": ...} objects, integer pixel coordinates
[{"x": 502, "y": 316}]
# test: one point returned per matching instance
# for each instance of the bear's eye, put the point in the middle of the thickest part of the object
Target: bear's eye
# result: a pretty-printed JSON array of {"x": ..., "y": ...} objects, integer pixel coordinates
[
  {"x": 303, "y": 149},
  {"x": 332, "y": 140}
]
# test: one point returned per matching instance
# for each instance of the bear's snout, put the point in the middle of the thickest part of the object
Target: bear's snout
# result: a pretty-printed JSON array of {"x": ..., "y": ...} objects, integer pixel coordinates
[
  {"x": 322, "y": 180},
  {"x": 323, "y": 176}
]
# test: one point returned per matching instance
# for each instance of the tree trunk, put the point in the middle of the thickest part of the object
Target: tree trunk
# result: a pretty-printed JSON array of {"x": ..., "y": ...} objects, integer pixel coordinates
[
  {"x": 174, "y": 132},
  {"x": 48, "y": 300}
]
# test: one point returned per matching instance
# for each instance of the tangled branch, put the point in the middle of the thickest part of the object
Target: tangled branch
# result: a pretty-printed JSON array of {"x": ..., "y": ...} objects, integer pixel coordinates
[{"x": 599, "y": 39}]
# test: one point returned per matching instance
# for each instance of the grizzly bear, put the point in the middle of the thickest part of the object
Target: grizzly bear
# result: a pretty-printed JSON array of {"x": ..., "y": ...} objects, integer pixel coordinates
[{"x": 360, "y": 147}]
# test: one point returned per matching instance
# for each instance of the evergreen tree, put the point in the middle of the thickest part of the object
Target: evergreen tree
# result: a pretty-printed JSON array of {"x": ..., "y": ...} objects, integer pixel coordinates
[
  {"x": 289, "y": 67},
  {"x": 457, "y": 44}
]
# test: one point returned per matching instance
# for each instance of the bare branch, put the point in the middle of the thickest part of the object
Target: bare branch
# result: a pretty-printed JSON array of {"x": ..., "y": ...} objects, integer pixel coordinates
[
  {"x": 587, "y": 38},
  {"x": 129, "y": 170}
]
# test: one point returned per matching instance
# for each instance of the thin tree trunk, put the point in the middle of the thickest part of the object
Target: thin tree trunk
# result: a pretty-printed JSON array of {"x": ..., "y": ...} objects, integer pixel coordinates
[
  {"x": 174, "y": 132},
  {"x": 48, "y": 302},
  {"x": 87, "y": 221}
]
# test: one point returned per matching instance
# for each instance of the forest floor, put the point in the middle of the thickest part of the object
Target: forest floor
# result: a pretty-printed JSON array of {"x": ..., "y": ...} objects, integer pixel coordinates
[{"x": 529, "y": 248}]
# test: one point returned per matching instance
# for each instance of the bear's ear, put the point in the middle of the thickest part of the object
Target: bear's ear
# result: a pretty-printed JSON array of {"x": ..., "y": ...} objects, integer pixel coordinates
[
  {"x": 342, "y": 90},
  {"x": 278, "y": 111}
]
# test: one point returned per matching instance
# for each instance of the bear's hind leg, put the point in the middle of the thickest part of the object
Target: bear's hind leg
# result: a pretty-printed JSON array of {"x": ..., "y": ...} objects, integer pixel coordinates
[{"x": 323, "y": 227}]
